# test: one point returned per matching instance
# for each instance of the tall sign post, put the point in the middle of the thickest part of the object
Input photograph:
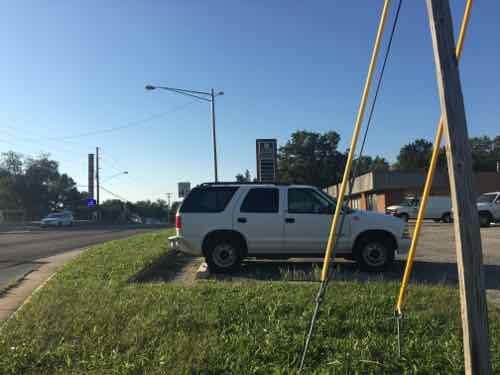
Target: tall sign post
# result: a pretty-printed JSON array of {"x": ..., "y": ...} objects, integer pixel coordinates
[
  {"x": 183, "y": 189},
  {"x": 267, "y": 165}
]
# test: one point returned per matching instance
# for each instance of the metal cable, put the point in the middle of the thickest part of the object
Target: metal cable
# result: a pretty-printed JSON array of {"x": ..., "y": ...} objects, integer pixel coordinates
[{"x": 324, "y": 284}]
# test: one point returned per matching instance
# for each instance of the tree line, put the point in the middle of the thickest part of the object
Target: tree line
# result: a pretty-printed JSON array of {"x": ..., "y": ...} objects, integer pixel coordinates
[
  {"x": 35, "y": 186},
  {"x": 314, "y": 158}
]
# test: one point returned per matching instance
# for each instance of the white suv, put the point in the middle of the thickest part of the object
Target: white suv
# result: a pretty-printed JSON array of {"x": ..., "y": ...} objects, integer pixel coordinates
[{"x": 226, "y": 223}]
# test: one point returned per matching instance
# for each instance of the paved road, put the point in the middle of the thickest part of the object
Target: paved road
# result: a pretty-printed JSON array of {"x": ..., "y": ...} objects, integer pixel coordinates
[{"x": 22, "y": 247}]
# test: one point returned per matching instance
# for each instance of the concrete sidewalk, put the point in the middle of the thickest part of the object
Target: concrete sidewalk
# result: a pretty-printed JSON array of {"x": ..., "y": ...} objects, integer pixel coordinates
[{"x": 21, "y": 292}]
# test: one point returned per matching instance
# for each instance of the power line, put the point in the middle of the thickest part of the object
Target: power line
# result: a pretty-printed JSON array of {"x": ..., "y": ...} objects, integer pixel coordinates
[
  {"x": 114, "y": 194},
  {"x": 126, "y": 126},
  {"x": 35, "y": 141}
]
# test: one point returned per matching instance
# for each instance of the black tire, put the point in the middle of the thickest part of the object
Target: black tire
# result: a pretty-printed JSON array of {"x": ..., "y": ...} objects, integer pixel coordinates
[
  {"x": 404, "y": 217},
  {"x": 223, "y": 255},
  {"x": 374, "y": 254},
  {"x": 484, "y": 219},
  {"x": 446, "y": 218}
]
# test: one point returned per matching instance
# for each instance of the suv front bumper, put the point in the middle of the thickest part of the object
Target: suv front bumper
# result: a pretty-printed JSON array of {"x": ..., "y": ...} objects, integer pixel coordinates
[{"x": 180, "y": 243}]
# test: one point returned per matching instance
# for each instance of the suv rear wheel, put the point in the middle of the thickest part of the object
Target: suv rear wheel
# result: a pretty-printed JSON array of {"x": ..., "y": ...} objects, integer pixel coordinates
[
  {"x": 223, "y": 255},
  {"x": 374, "y": 255}
]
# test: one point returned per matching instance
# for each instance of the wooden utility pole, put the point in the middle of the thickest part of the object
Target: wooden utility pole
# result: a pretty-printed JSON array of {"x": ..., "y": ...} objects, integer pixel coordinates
[{"x": 466, "y": 220}]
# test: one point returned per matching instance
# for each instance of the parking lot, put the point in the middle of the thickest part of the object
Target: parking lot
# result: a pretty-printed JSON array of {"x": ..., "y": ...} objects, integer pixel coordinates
[{"x": 435, "y": 262}]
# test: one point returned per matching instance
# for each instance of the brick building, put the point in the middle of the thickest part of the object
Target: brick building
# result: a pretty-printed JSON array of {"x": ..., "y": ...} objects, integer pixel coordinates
[{"x": 377, "y": 190}]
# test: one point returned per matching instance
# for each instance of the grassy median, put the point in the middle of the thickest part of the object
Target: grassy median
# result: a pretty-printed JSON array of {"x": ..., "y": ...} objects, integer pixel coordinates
[{"x": 90, "y": 319}]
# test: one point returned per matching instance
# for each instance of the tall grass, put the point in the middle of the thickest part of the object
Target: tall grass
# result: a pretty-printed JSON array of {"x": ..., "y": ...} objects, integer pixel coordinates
[{"x": 90, "y": 319}]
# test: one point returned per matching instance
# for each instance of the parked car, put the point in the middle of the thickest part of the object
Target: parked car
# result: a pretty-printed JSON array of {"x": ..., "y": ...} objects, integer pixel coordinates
[
  {"x": 488, "y": 207},
  {"x": 226, "y": 223},
  {"x": 58, "y": 219},
  {"x": 438, "y": 208}
]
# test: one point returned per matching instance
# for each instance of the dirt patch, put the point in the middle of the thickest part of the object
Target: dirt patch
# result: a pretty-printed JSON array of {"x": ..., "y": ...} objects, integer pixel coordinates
[{"x": 171, "y": 267}]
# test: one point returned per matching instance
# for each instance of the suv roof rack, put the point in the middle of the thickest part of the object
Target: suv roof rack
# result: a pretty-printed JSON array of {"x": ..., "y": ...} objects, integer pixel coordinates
[{"x": 241, "y": 183}]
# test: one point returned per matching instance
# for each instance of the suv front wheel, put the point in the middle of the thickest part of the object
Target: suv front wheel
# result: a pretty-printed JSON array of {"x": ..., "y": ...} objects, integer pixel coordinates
[
  {"x": 374, "y": 255},
  {"x": 223, "y": 255}
]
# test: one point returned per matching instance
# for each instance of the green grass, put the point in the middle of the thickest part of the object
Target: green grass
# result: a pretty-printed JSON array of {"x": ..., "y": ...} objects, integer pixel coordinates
[{"x": 90, "y": 320}]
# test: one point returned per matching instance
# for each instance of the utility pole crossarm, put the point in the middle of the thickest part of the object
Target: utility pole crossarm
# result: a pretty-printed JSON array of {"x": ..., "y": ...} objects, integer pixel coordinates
[{"x": 466, "y": 220}]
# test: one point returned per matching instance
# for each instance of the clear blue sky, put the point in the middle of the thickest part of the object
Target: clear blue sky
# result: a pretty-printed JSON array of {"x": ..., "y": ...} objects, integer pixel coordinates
[{"x": 72, "y": 67}]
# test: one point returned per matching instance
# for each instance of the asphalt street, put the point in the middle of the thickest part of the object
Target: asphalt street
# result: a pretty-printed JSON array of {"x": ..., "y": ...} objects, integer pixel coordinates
[{"x": 22, "y": 248}]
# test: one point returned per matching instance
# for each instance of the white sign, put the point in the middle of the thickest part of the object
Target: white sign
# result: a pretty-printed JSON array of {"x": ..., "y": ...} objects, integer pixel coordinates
[{"x": 184, "y": 188}]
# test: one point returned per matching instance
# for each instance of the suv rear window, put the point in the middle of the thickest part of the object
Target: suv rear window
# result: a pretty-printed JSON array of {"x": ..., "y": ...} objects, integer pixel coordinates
[
  {"x": 261, "y": 200},
  {"x": 210, "y": 199}
]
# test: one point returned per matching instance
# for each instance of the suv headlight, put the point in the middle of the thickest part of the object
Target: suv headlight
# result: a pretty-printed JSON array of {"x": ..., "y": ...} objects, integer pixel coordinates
[{"x": 406, "y": 231}]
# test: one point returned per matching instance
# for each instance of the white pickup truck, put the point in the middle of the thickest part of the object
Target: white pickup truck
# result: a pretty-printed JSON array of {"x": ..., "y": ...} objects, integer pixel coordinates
[
  {"x": 226, "y": 223},
  {"x": 488, "y": 207}
]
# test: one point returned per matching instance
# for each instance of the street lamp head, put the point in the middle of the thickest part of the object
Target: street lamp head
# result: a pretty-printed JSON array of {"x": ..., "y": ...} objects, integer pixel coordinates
[
  {"x": 221, "y": 93},
  {"x": 125, "y": 172},
  {"x": 150, "y": 87}
]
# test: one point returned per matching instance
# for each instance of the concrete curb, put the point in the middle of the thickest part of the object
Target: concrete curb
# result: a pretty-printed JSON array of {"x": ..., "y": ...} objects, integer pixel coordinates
[{"x": 16, "y": 297}]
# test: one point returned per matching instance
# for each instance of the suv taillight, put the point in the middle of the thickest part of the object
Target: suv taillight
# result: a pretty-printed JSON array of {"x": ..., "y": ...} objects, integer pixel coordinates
[{"x": 178, "y": 222}]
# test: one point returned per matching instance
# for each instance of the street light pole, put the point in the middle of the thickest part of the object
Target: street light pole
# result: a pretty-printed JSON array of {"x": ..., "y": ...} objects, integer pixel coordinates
[
  {"x": 214, "y": 139},
  {"x": 205, "y": 96}
]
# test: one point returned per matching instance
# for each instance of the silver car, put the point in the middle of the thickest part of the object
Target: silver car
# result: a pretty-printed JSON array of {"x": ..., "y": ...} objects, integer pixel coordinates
[{"x": 58, "y": 219}]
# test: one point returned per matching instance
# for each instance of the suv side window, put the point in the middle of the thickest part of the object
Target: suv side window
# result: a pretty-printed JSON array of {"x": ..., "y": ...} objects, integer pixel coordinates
[
  {"x": 208, "y": 200},
  {"x": 261, "y": 200},
  {"x": 307, "y": 201}
]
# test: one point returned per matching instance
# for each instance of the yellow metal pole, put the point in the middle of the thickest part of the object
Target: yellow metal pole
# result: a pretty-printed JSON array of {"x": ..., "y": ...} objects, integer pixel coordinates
[
  {"x": 430, "y": 176},
  {"x": 357, "y": 127}
]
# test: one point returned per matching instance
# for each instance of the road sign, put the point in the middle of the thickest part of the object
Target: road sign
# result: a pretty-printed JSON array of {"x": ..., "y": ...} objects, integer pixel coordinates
[
  {"x": 91, "y": 202},
  {"x": 184, "y": 188},
  {"x": 266, "y": 160}
]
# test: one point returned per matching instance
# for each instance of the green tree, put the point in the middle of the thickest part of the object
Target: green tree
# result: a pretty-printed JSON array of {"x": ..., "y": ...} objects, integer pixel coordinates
[
  {"x": 311, "y": 158},
  {"x": 485, "y": 153},
  {"x": 414, "y": 156},
  {"x": 35, "y": 185},
  {"x": 246, "y": 177},
  {"x": 148, "y": 209},
  {"x": 368, "y": 164},
  {"x": 11, "y": 163}
]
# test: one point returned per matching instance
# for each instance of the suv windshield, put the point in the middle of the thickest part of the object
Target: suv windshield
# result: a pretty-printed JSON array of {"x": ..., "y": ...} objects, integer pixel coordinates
[
  {"x": 55, "y": 215},
  {"x": 486, "y": 198}
]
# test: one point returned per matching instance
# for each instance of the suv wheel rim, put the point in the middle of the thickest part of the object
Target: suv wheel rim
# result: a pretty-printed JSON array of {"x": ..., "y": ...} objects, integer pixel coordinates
[
  {"x": 374, "y": 254},
  {"x": 224, "y": 255}
]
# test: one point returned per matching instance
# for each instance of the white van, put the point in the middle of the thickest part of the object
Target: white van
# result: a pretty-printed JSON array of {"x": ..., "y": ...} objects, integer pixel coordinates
[{"x": 438, "y": 208}]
